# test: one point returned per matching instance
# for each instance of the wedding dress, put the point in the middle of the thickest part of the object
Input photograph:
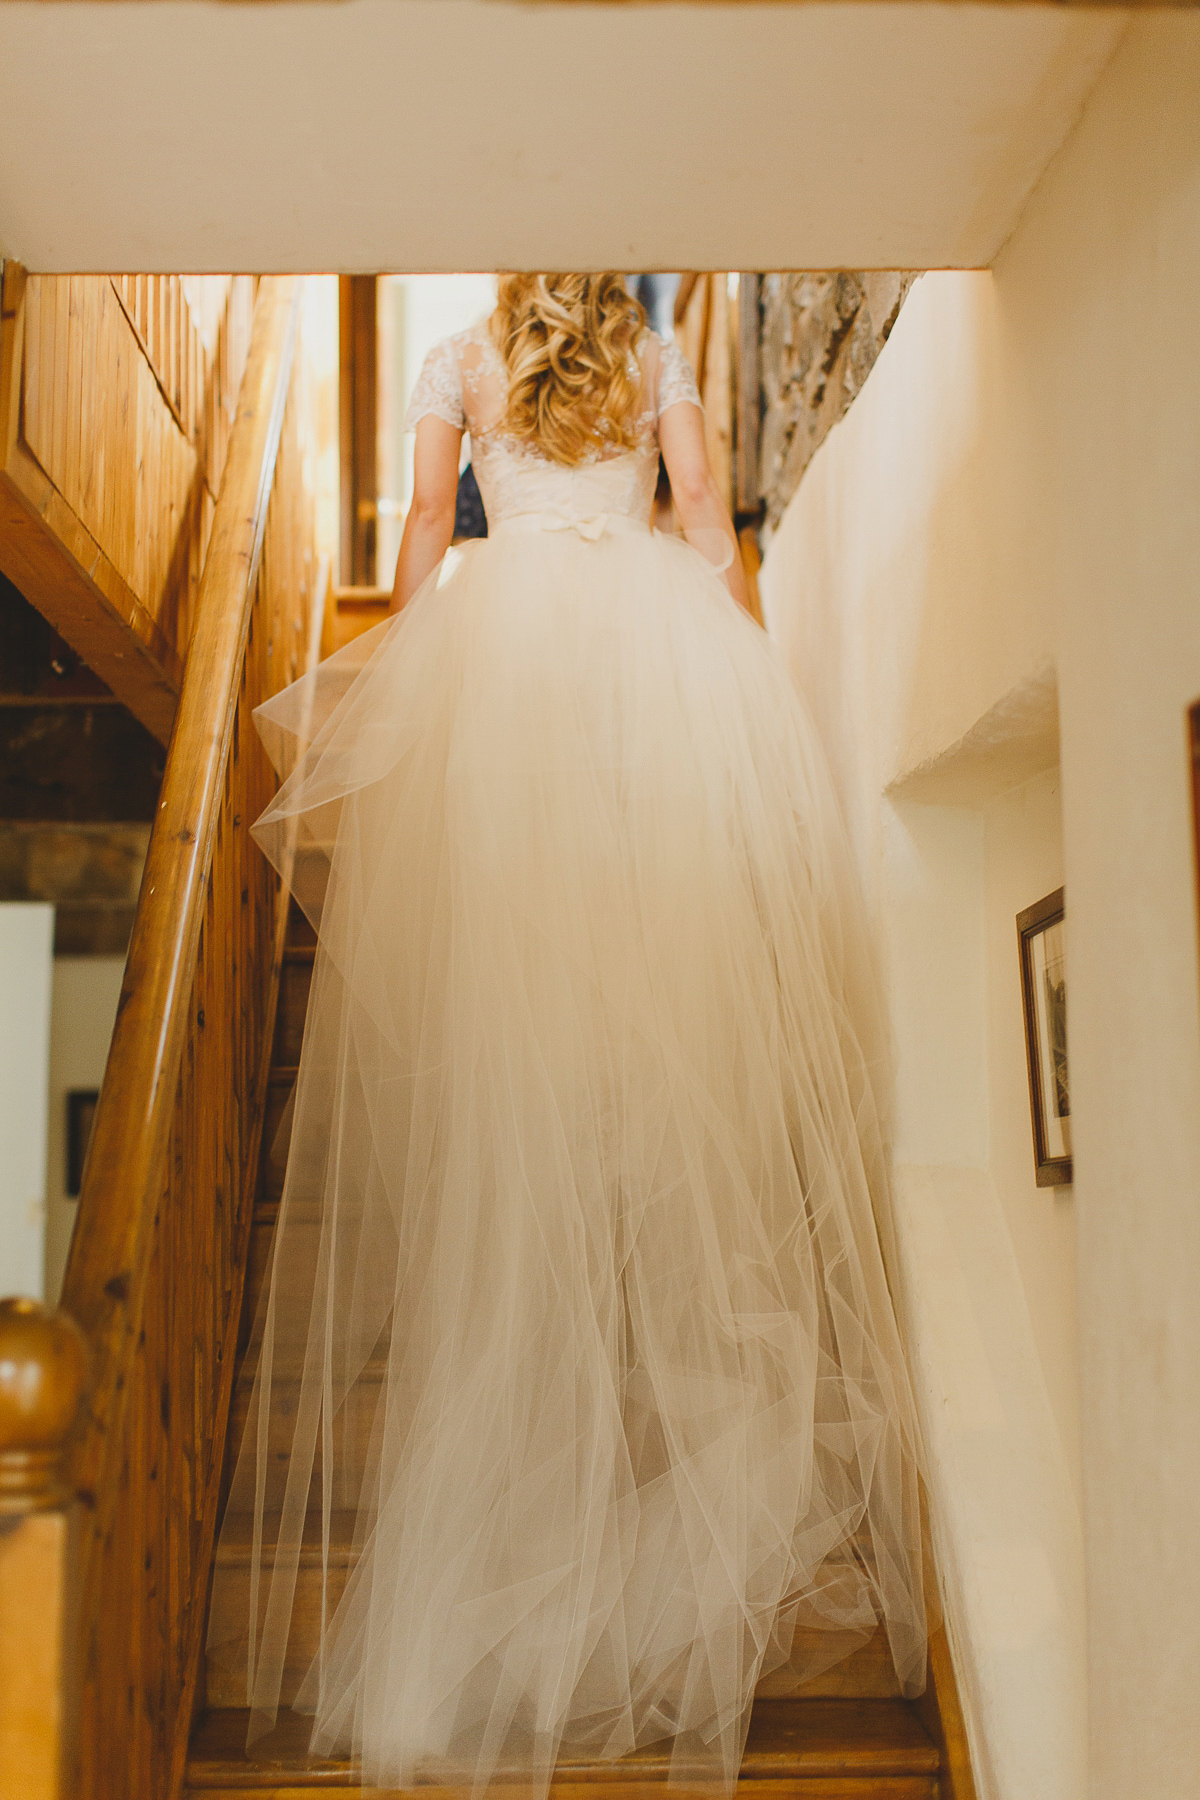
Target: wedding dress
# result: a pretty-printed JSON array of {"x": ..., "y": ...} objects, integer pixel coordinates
[{"x": 577, "y": 1338}]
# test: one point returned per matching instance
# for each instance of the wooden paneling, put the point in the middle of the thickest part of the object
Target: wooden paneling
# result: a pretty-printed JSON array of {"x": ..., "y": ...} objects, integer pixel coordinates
[
  {"x": 116, "y": 403},
  {"x": 156, "y": 1264}
]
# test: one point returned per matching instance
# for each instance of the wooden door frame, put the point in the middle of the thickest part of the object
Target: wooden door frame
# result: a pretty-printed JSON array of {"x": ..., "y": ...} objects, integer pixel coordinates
[{"x": 358, "y": 377}]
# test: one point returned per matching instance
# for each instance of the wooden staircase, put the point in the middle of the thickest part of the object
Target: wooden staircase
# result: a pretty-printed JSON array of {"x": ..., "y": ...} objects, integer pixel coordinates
[
  {"x": 846, "y": 1736},
  {"x": 180, "y": 1200}
]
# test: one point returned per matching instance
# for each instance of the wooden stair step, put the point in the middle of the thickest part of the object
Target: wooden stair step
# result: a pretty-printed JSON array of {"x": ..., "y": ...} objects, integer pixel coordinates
[
  {"x": 823, "y": 1749},
  {"x": 295, "y": 982},
  {"x": 866, "y": 1674},
  {"x": 233, "y": 1555}
]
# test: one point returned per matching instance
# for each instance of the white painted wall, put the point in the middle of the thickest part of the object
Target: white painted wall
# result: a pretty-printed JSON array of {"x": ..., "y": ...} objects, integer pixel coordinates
[
  {"x": 1023, "y": 862},
  {"x": 472, "y": 134},
  {"x": 26, "y": 955},
  {"x": 1106, "y": 262},
  {"x": 82, "y": 1016},
  {"x": 1013, "y": 505},
  {"x": 1006, "y": 1514}
]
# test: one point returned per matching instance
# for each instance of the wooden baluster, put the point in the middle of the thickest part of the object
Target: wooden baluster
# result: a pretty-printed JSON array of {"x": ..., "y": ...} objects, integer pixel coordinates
[{"x": 42, "y": 1368}]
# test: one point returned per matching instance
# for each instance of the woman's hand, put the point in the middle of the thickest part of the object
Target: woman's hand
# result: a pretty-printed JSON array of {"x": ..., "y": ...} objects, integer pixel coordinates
[
  {"x": 701, "y": 510},
  {"x": 429, "y": 526}
]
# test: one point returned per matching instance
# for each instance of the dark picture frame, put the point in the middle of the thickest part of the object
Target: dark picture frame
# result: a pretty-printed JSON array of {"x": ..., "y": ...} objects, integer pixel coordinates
[
  {"x": 1041, "y": 947},
  {"x": 81, "y": 1110}
]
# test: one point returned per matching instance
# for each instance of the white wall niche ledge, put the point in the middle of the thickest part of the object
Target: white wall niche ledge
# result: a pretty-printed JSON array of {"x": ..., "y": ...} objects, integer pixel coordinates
[{"x": 1014, "y": 740}]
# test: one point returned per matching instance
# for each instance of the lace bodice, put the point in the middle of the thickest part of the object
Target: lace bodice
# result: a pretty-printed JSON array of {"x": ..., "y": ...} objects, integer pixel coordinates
[{"x": 464, "y": 382}]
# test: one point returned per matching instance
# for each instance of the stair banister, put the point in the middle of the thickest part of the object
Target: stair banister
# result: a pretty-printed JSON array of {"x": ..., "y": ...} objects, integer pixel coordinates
[
  {"x": 156, "y": 1263},
  {"x": 102, "y": 1284}
]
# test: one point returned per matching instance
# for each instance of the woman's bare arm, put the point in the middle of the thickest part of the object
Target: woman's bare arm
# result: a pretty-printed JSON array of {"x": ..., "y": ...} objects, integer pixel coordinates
[
  {"x": 429, "y": 526},
  {"x": 701, "y": 510}
]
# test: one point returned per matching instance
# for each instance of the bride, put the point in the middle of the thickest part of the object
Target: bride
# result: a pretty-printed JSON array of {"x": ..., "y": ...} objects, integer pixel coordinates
[{"x": 578, "y": 1336}]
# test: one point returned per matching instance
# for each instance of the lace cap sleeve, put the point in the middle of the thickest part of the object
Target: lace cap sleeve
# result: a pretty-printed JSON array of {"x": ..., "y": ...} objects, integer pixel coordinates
[
  {"x": 438, "y": 390},
  {"x": 675, "y": 379}
]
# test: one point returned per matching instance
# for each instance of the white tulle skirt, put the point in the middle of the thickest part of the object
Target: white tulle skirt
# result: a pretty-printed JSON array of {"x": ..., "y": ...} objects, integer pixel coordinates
[{"x": 578, "y": 1355}]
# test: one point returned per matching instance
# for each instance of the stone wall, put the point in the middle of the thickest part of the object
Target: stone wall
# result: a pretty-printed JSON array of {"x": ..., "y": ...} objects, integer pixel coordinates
[{"x": 819, "y": 335}]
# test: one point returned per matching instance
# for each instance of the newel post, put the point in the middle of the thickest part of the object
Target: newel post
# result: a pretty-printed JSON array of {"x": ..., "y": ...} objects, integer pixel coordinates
[{"x": 42, "y": 1371}]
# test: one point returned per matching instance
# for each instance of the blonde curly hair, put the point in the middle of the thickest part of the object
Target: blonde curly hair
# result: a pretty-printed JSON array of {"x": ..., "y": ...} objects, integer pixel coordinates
[{"x": 569, "y": 344}]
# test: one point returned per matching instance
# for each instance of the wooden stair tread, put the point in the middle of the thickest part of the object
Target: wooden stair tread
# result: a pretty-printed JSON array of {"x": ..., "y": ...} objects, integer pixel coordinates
[
  {"x": 237, "y": 1539},
  {"x": 304, "y": 1212},
  {"x": 288, "y": 1370},
  {"x": 788, "y": 1740},
  {"x": 864, "y": 1673}
]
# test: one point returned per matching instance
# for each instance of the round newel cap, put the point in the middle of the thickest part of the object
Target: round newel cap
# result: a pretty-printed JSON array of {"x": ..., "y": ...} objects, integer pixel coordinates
[{"x": 43, "y": 1368}]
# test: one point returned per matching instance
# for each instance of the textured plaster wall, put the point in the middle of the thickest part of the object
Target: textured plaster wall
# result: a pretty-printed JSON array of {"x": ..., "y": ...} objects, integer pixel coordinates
[{"x": 999, "y": 545}]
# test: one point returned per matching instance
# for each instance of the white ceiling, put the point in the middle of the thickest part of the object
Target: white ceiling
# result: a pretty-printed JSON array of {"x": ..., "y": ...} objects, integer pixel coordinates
[{"x": 442, "y": 134}]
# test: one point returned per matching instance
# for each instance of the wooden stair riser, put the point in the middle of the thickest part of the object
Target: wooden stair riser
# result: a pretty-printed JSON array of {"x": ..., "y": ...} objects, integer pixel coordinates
[
  {"x": 294, "y": 985},
  {"x": 351, "y": 1429},
  {"x": 291, "y": 1329},
  {"x": 224, "y": 1689}
]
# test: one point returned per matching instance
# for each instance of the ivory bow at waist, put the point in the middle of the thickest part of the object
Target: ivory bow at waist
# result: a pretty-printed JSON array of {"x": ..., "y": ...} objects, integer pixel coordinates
[
  {"x": 590, "y": 526},
  {"x": 714, "y": 546}
]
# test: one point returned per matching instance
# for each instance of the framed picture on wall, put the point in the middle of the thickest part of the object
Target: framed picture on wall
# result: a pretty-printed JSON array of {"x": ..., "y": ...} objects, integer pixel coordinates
[
  {"x": 81, "y": 1110},
  {"x": 1041, "y": 943}
]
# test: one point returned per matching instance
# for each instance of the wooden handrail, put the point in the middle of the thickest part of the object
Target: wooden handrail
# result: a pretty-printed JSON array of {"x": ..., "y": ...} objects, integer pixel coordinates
[
  {"x": 156, "y": 1266},
  {"x": 105, "y": 1275}
]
